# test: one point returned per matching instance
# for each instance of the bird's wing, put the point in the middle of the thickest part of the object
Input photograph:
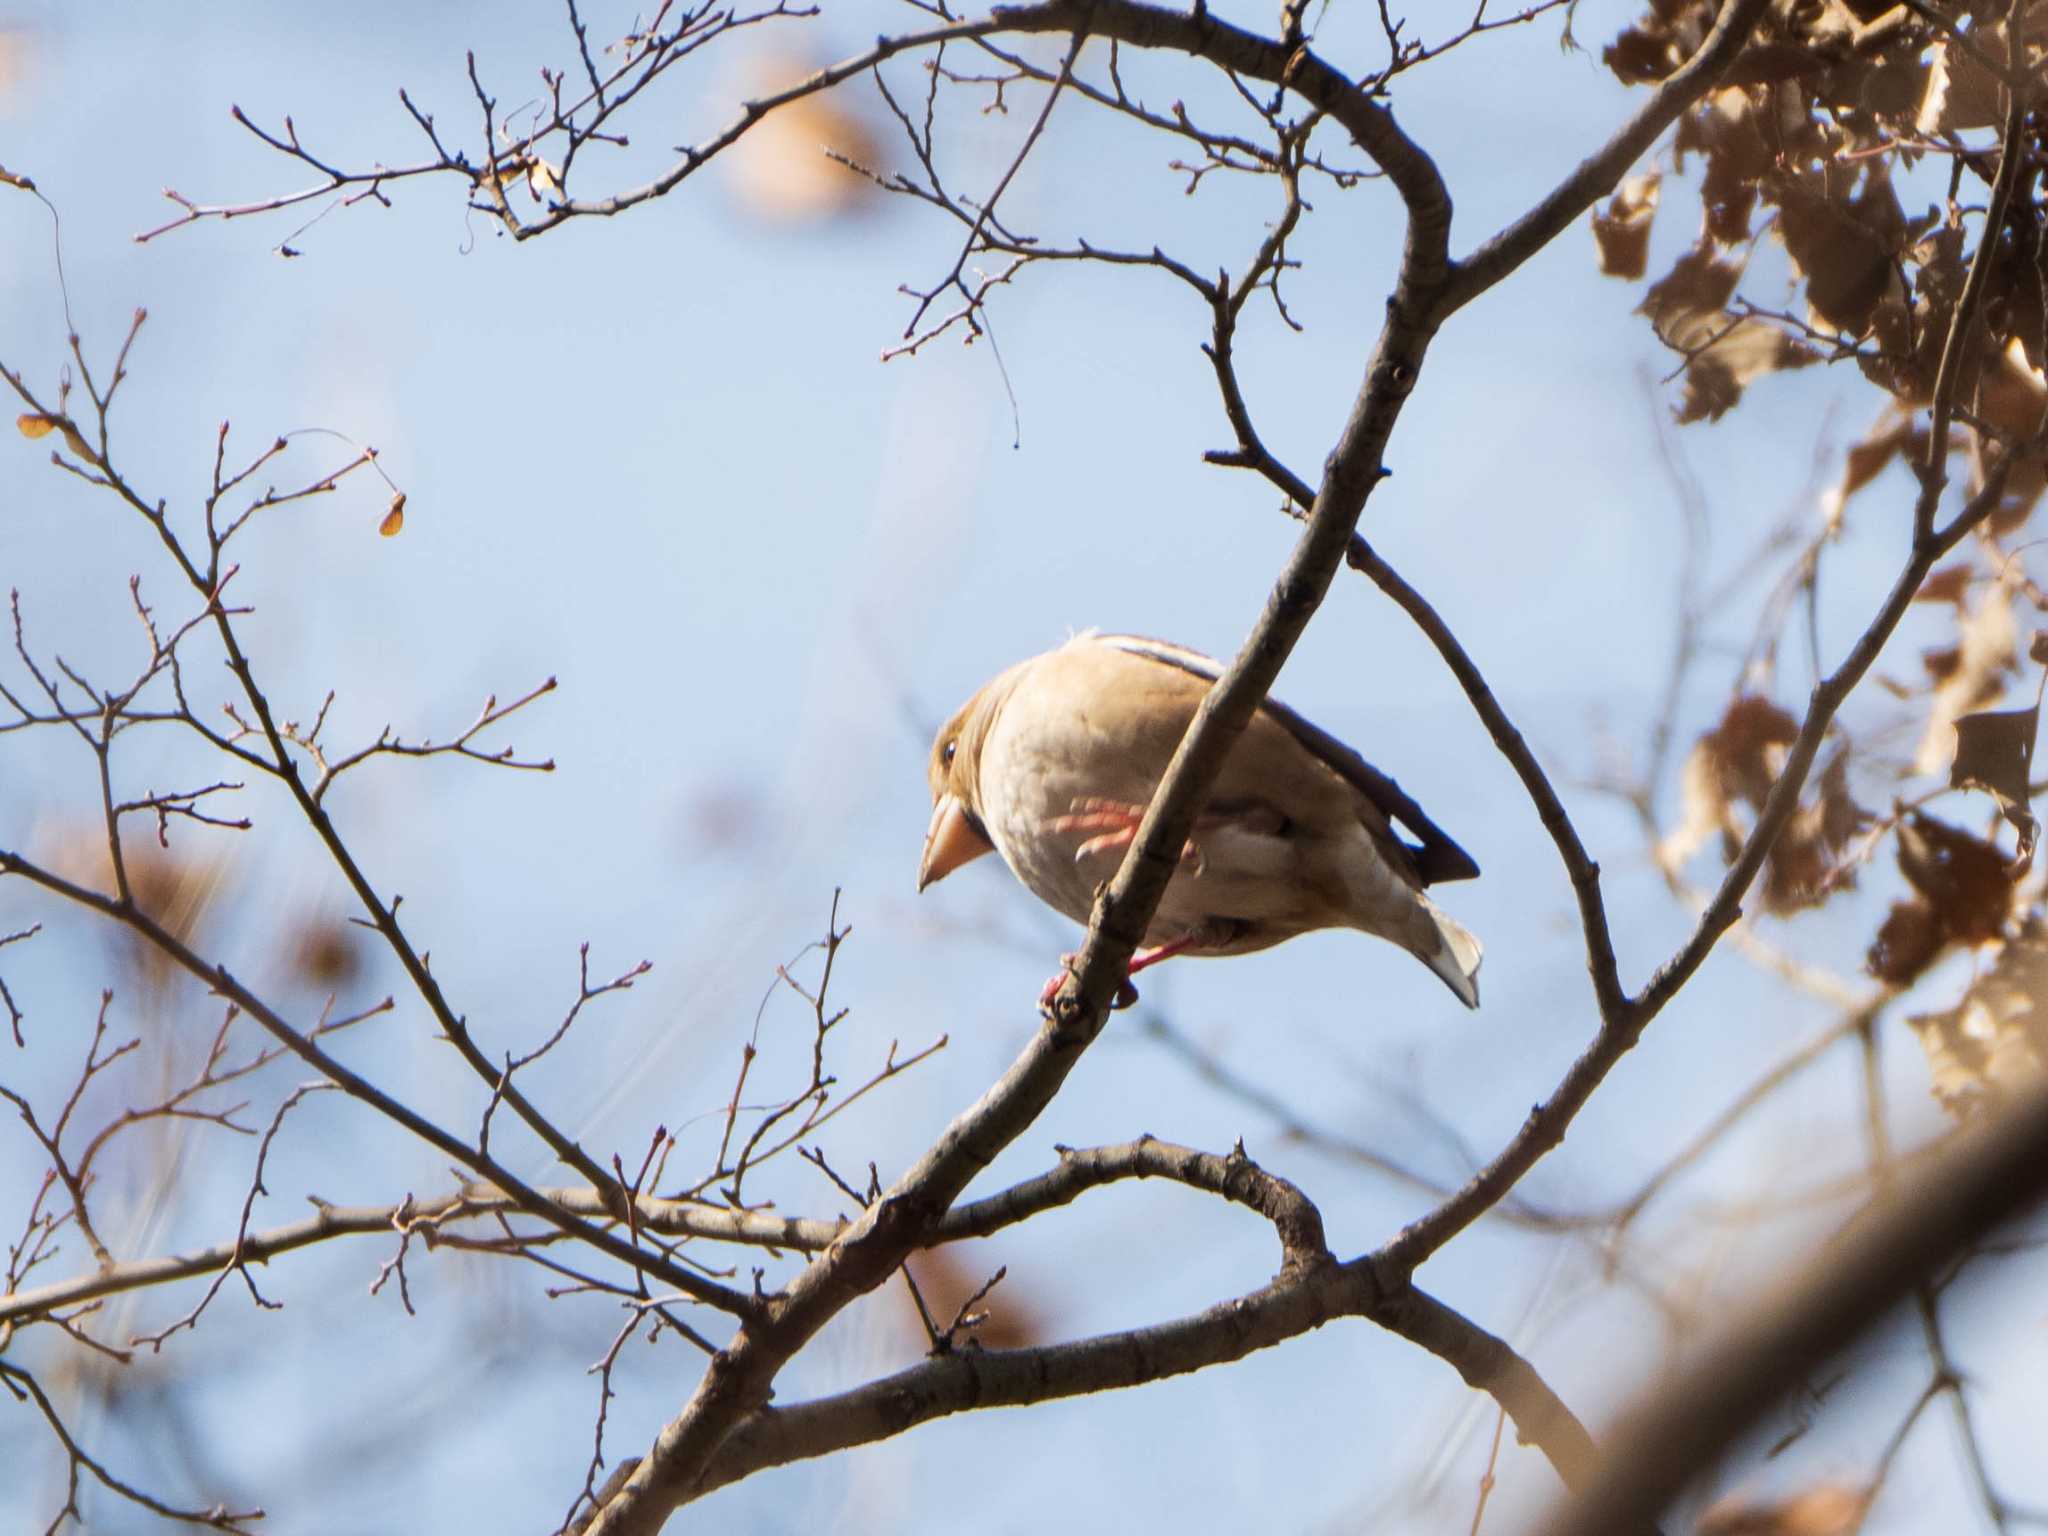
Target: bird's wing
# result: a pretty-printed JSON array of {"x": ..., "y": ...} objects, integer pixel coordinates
[{"x": 1437, "y": 858}]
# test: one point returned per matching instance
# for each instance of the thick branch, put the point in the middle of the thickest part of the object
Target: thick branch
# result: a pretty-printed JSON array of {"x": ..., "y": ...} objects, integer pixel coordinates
[
  {"x": 1236, "y": 1177},
  {"x": 1986, "y": 1178},
  {"x": 1279, "y": 61},
  {"x": 737, "y": 1382},
  {"x": 1295, "y": 1303},
  {"x": 1490, "y": 1365}
]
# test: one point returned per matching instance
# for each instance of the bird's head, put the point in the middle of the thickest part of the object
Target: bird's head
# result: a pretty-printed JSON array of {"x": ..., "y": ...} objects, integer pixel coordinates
[{"x": 956, "y": 835}]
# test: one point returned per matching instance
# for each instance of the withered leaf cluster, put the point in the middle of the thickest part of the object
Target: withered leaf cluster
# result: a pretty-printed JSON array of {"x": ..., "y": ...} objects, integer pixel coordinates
[
  {"x": 1832, "y": 102},
  {"x": 1994, "y": 753},
  {"x": 1851, "y": 160},
  {"x": 1962, "y": 894},
  {"x": 1973, "y": 672},
  {"x": 1728, "y": 777},
  {"x": 1995, "y": 1041}
]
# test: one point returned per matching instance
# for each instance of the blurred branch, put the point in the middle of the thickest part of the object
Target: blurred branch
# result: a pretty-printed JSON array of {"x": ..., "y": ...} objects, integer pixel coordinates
[
  {"x": 1295, "y": 1129},
  {"x": 25, "y": 1388},
  {"x": 356, "y": 1086},
  {"x": 238, "y": 1259},
  {"x": 1744, "y": 1104},
  {"x": 1987, "y": 1176},
  {"x": 1619, "y": 1033},
  {"x": 1944, "y": 1379},
  {"x": 207, "y": 575}
]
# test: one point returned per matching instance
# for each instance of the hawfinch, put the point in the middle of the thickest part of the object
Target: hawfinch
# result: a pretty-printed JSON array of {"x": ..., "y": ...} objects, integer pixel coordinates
[{"x": 1054, "y": 762}]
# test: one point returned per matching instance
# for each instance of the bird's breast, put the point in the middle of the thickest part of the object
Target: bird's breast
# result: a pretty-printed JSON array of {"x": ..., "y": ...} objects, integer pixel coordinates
[
  {"x": 1030, "y": 780},
  {"x": 1046, "y": 780}
]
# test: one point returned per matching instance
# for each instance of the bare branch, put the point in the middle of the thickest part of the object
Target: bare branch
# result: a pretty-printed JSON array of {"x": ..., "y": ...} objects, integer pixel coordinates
[{"x": 25, "y": 1387}]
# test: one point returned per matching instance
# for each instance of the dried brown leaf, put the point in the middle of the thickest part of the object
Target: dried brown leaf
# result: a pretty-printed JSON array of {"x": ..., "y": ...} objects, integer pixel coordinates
[
  {"x": 1965, "y": 879},
  {"x": 1841, "y": 818},
  {"x": 1796, "y": 873},
  {"x": 948, "y": 1280},
  {"x": 1734, "y": 765},
  {"x": 324, "y": 954},
  {"x": 1656, "y": 45},
  {"x": 1824, "y": 1511},
  {"x": 1621, "y": 230},
  {"x": 784, "y": 172},
  {"x": 1848, "y": 247},
  {"x": 1700, "y": 283},
  {"x": 1987, "y": 651},
  {"x": 179, "y": 889},
  {"x": 1993, "y": 1043},
  {"x": 1942, "y": 664},
  {"x": 1995, "y": 753},
  {"x": 1703, "y": 808},
  {"x": 1950, "y": 584},
  {"x": 1805, "y": 864},
  {"x": 1738, "y": 351},
  {"x": 2012, "y": 393},
  {"x": 1910, "y": 940},
  {"x": 1724, "y": 350},
  {"x": 1961, "y": 93},
  {"x": 1724, "y": 130},
  {"x": 1866, "y": 460},
  {"x": 394, "y": 517},
  {"x": 1749, "y": 746}
]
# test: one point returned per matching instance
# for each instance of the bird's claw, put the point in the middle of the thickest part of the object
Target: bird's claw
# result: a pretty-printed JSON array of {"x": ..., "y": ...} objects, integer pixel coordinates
[{"x": 1126, "y": 992}]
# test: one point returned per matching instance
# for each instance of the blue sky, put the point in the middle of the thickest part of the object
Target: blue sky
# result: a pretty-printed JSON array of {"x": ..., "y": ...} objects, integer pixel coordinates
[{"x": 658, "y": 458}]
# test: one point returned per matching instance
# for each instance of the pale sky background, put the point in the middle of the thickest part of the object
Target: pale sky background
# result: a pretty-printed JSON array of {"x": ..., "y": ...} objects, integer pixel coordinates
[{"x": 659, "y": 459}]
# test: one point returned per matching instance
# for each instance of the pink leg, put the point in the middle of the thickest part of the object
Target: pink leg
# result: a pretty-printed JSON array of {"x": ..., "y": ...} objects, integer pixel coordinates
[
  {"x": 1150, "y": 957},
  {"x": 1126, "y": 994}
]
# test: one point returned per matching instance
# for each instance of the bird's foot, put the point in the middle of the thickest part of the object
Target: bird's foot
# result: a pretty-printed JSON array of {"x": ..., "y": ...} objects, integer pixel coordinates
[
  {"x": 1113, "y": 825},
  {"x": 1126, "y": 994},
  {"x": 1150, "y": 957}
]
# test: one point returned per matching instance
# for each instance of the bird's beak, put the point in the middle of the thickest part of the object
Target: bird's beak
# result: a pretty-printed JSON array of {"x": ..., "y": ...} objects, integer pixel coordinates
[{"x": 953, "y": 839}]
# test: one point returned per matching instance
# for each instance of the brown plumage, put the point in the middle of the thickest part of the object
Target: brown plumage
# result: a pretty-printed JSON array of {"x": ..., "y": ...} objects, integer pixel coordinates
[{"x": 1053, "y": 763}]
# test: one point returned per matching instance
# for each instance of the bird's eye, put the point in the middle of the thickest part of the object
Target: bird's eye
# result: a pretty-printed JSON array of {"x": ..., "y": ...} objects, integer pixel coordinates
[{"x": 947, "y": 754}]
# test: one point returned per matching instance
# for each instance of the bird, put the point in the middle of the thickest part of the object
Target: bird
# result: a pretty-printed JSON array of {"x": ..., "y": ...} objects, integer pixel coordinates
[{"x": 1053, "y": 762}]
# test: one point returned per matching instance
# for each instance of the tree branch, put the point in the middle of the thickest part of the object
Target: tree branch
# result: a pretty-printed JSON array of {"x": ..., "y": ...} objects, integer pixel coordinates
[
  {"x": 1600, "y": 172},
  {"x": 360, "y": 1088},
  {"x": 1295, "y": 1303},
  {"x": 1986, "y": 1177}
]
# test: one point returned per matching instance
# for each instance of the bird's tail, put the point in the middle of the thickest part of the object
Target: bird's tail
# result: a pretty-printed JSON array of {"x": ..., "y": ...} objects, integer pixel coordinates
[{"x": 1454, "y": 953}]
